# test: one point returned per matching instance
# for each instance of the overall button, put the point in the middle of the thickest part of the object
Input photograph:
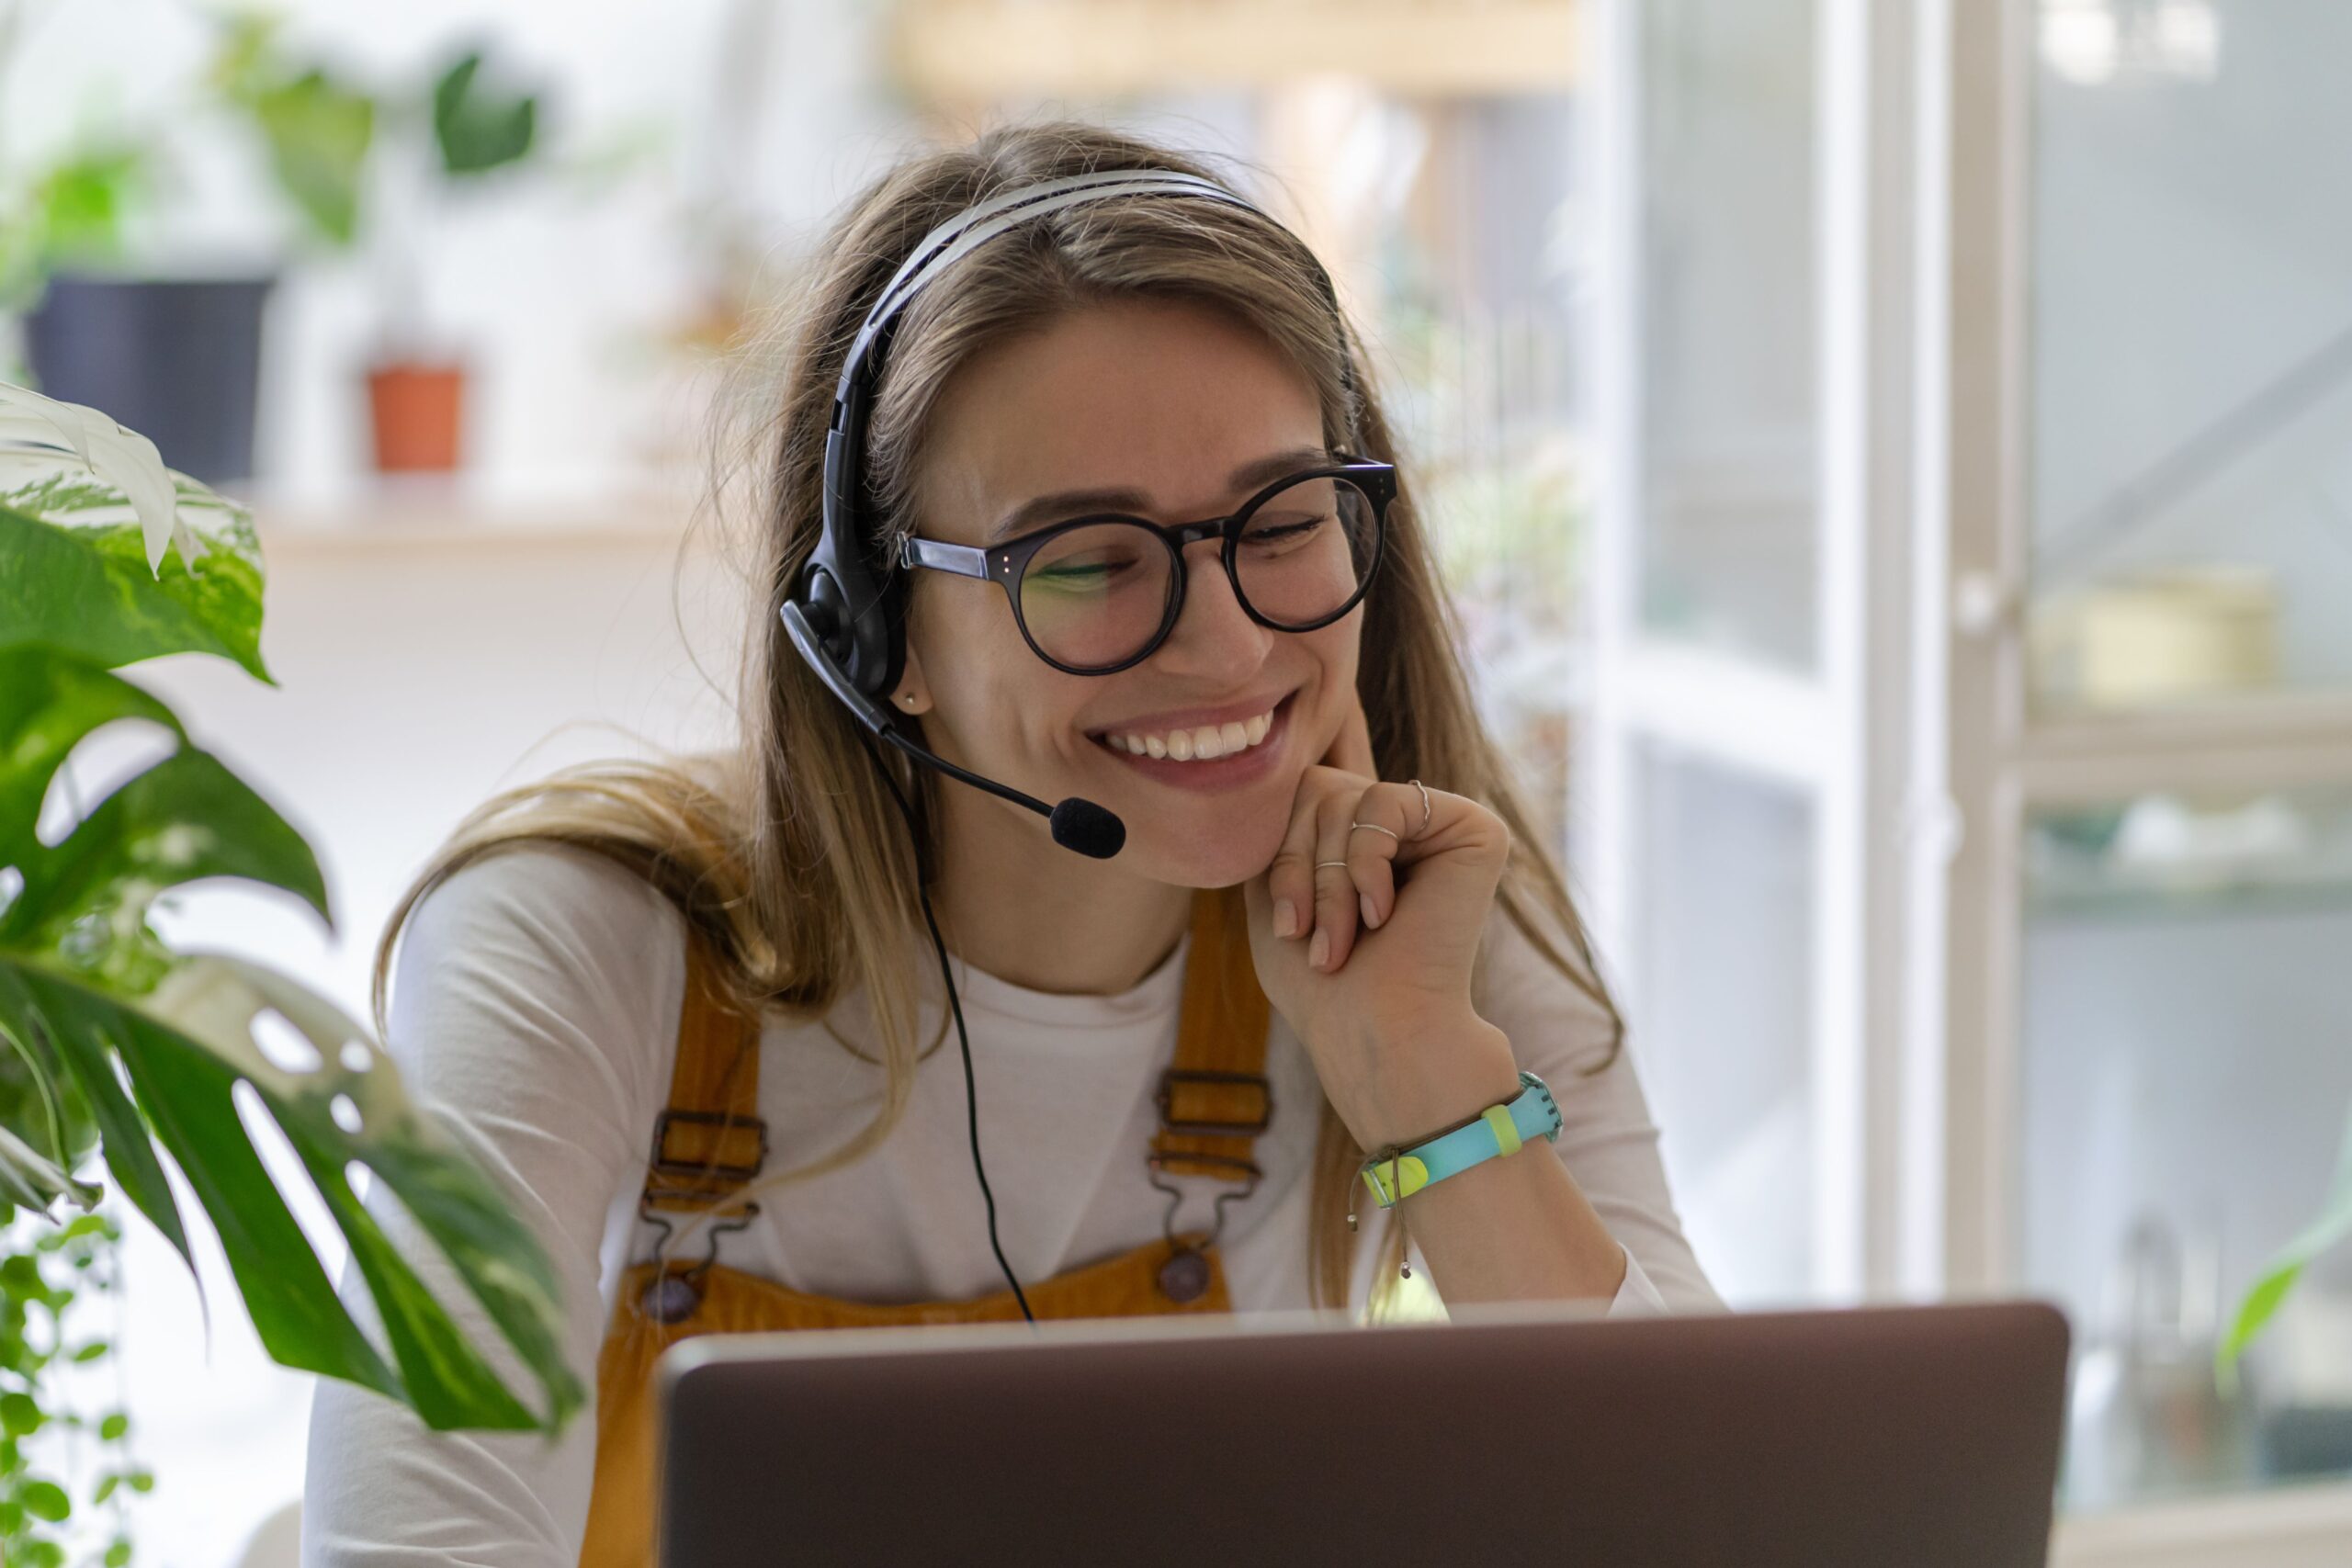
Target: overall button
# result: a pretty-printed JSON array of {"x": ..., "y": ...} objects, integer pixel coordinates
[
  {"x": 672, "y": 1298},
  {"x": 1184, "y": 1278}
]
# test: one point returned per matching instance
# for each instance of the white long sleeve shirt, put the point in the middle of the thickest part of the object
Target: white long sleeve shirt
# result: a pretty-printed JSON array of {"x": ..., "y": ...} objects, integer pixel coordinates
[{"x": 535, "y": 1009}]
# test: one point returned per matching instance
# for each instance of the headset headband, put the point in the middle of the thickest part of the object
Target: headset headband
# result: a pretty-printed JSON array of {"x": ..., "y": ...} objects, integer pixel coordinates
[{"x": 959, "y": 236}]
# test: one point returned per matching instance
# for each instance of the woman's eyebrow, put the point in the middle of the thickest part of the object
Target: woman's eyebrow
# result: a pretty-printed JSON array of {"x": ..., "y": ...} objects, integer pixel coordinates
[{"x": 1070, "y": 502}]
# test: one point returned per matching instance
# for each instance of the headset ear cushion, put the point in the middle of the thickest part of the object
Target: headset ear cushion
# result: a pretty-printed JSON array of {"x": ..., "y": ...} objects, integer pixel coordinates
[
  {"x": 828, "y": 613},
  {"x": 870, "y": 650}
]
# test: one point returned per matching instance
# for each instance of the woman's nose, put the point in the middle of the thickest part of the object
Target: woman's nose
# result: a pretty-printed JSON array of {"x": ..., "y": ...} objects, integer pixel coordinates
[{"x": 1212, "y": 635}]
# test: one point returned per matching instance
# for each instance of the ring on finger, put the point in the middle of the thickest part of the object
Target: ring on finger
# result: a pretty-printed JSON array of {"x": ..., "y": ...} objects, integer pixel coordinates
[
  {"x": 1376, "y": 827},
  {"x": 1425, "y": 807},
  {"x": 1321, "y": 864}
]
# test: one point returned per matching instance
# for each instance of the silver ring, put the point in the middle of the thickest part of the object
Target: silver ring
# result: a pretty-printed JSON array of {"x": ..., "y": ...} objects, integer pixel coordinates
[
  {"x": 1425, "y": 804},
  {"x": 1376, "y": 827},
  {"x": 1321, "y": 864}
]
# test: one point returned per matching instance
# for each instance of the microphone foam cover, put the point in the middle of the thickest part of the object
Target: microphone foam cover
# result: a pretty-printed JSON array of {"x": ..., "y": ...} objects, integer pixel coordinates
[{"x": 1087, "y": 828}]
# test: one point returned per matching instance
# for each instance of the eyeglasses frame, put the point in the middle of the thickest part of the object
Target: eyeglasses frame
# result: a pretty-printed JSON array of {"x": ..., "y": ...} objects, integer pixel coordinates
[{"x": 1005, "y": 564}]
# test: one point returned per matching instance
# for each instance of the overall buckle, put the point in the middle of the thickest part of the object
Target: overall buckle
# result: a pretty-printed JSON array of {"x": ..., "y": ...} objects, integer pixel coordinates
[
  {"x": 713, "y": 1169},
  {"x": 1176, "y": 1078}
]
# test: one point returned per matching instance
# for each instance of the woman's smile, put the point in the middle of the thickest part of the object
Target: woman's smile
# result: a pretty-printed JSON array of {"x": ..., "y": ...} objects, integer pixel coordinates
[{"x": 1208, "y": 752}]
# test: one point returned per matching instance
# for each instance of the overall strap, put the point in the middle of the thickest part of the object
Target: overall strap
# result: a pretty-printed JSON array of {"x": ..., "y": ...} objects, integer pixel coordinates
[
  {"x": 709, "y": 1141},
  {"x": 1215, "y": 1100}
]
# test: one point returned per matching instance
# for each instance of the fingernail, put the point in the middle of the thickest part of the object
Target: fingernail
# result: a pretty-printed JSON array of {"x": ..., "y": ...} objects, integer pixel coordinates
[
  {"x": 1286, "y": 917},
  {"x": 1363, "y": 901},
  {"x": 1318, "y": 950}
]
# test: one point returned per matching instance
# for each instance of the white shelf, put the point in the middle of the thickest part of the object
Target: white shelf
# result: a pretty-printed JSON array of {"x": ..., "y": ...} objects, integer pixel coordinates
[
  {"x": 2082, "y": 892},
  {"x": 2277, "y": 739},
  {"x": 438, "y": 514},
  {"x": 2301, "y": 1527},
  {"x": 967, "y": 51}
]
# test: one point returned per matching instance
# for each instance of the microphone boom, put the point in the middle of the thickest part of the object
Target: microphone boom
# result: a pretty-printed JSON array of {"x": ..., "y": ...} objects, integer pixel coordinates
[{"x": 1079, "y": 825}]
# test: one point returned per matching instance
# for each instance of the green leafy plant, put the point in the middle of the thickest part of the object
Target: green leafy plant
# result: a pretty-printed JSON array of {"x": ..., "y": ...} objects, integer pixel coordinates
[
  {"x": 116, "y": 1048},
  {"x": 66, "y": 210},
  {"x": 321, "y": 125},
  {"x": 2330, "y": 1230},
  {"x": 61, "y": 207},
  {"x": 317, "y": 128},
  {"x": 49, "y": 1277}
]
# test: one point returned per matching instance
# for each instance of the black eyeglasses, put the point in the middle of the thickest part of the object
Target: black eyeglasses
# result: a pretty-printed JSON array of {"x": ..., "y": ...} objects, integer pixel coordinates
[{"x": 1096, "y": 594}]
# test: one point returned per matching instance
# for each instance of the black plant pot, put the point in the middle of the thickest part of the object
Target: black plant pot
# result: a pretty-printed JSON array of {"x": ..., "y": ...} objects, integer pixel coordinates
[{"x": 177, "y": 360}]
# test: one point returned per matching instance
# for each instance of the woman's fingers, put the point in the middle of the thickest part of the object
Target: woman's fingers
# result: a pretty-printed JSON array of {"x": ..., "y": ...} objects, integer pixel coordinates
[
  {"x": 1294, "y": 884},
  {"x": 1311, "y": 881},
  {"x": 1382, "y": 824},
  {"x": 1390, "y": 828},
  {"x": 1340, "y": 868},
  {"x": 1373, "y": 831},
  {"x": 1290, "y": 881},
  {"x": 1337, "y": 897},
  {"x": 1372, "y": 836}
]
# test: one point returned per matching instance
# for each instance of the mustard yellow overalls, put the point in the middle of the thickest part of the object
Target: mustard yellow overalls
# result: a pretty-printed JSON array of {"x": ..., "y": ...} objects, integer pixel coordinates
[{"x": 710, "y": 1141}]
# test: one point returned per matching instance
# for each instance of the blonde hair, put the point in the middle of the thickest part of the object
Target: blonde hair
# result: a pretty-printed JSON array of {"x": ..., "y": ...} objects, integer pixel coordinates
[{"x": 789, "y": 857}]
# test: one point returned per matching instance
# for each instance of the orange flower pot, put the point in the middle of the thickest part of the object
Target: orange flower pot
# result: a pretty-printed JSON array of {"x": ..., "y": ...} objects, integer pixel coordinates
[{"x": 419, "y": 415}]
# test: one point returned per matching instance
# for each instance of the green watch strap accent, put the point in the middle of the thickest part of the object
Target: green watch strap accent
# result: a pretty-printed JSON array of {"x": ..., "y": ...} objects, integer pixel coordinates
[
  {"x": 1507, "y": 1138},
  {"x": 1405, "y": 1171}
]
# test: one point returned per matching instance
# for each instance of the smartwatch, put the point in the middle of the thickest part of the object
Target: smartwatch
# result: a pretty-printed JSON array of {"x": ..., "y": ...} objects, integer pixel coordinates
[{"x": 1495, "y": 1132}]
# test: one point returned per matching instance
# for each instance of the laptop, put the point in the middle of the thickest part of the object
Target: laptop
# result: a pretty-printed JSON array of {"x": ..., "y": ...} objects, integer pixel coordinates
[{"x": 1886, "y": 1438}]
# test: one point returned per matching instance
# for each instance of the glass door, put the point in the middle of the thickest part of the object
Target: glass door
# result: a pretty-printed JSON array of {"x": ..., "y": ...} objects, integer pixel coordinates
[{"x": 1718, "y": 824}]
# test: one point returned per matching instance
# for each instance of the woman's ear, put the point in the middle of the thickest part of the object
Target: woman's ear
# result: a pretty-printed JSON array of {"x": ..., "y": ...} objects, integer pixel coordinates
[{"x": 912, "y": 694}]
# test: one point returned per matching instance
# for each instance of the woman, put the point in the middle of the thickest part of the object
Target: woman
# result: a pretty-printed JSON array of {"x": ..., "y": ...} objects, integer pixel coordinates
[{"x": 1327, "y": 931}]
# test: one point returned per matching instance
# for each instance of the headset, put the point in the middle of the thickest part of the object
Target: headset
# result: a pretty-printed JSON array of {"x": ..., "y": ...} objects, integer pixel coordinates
[{"x": 848, "y": 621}]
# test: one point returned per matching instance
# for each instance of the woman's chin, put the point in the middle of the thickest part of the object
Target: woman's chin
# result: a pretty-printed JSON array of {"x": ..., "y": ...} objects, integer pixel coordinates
[
  {"x": 1210, "y": 860},
  {"x": 1203, "y": 837}
]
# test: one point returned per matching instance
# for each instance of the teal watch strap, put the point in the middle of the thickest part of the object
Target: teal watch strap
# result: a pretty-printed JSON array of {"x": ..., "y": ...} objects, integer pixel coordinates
[{"x": 1532, "y": 1114}]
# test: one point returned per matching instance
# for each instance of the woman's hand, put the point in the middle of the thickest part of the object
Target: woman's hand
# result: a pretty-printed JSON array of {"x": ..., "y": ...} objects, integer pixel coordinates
[{"x": 1370, "y": 960}]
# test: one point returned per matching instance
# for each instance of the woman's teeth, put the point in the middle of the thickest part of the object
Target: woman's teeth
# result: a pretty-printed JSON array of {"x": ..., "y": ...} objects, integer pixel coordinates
[{"x": 1203, "y": 744}]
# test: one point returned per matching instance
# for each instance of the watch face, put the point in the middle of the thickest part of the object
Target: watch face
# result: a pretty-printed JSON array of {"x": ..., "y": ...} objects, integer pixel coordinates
[{"x": 1542, "y": 1094}]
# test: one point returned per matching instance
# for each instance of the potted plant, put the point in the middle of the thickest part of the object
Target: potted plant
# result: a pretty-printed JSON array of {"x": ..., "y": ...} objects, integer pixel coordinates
[
  {"x": 325, "y": 135},
  {"x": 114, "y": 1046},
  {"x": 176, "y": 349}
]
